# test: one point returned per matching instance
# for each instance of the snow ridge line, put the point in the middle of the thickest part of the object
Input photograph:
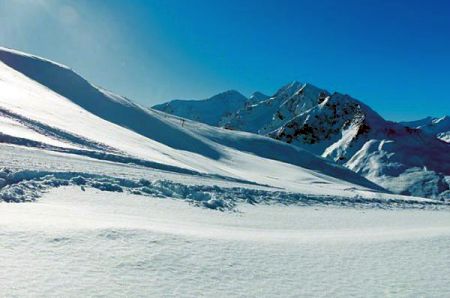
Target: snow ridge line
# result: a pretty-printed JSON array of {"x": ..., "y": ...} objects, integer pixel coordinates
[{"x": 28, "y": 186}]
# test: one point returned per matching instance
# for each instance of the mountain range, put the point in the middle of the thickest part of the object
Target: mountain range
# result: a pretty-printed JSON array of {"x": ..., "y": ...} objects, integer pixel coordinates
[
  {"x": 56, "y": 129},
  {"x": 411, "y": 158},
  {"x": 302, "y": 142}
]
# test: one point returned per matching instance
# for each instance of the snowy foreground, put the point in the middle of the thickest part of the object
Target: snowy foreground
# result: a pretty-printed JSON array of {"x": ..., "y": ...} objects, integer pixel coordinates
[{"x": 73, "y": 243}]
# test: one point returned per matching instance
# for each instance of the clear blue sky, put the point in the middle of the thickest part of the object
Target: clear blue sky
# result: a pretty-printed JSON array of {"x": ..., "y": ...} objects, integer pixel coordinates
[{"x": 394, "y": 55}]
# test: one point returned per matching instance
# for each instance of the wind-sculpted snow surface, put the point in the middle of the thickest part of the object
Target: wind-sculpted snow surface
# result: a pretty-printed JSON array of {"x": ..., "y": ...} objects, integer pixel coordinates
[
  {"x": 81, "y": 244},
  {"x": 28, "y": 186},
  {"x": 52, "y": 132}
]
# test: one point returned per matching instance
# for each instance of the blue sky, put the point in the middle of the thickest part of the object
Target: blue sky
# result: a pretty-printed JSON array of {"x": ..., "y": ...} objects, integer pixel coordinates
[{"x": 393, "y": 55}]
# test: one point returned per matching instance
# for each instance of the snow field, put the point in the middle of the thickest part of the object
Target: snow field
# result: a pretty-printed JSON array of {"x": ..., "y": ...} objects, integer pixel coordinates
[{"x": 92, "y": 243}]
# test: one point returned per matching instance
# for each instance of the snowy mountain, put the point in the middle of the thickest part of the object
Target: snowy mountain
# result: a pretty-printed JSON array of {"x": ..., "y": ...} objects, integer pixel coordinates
[
  {"x": 52, "y": 117},
  {"x": 212, "y": 110},
  {"x": 340, "y": 128},
  {"x": 439, "y": 127}
]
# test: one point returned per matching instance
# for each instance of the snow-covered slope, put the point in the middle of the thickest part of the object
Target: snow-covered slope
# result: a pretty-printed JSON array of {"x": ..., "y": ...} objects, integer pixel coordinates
[
  {"x": 345, "y": 130},
  {"x": 417, "y": 123},
  {"x": 338, "y": 127},
  {"x": 47, "y": 106},
  {"x": 439, "y": 127}
]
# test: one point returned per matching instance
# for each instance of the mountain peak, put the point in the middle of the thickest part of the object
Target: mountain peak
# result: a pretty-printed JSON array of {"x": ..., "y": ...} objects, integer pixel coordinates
[
  {"x": 258, "y": 96},
  {"x": 210, "y": 111},
  {"x": 229, "y": 95},
  {"x": 308, "y": 88},
  {"x": 443, "y": 119},
  {"x": 289, "y": 89}
]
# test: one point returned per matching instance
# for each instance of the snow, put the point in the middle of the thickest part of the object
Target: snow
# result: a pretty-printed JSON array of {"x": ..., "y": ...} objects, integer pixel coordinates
[
  {"x": 444, "y": 136},
  {"x": 257, "y": 97},
  {"x": 47, "y": 170},
  {"x": 105, "y": 126},
  {"x": 102, "y": 197},
  {"x": 439, "y": 127},
  {"x": 210, "y": 111},
  {"x": 57, "y": 110},
  {"x": 74, "y": 243},
  {"x": 343, "y": 129},
  {"x": 11, "y": 126},
  {"x": 257, "y": 117}
]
